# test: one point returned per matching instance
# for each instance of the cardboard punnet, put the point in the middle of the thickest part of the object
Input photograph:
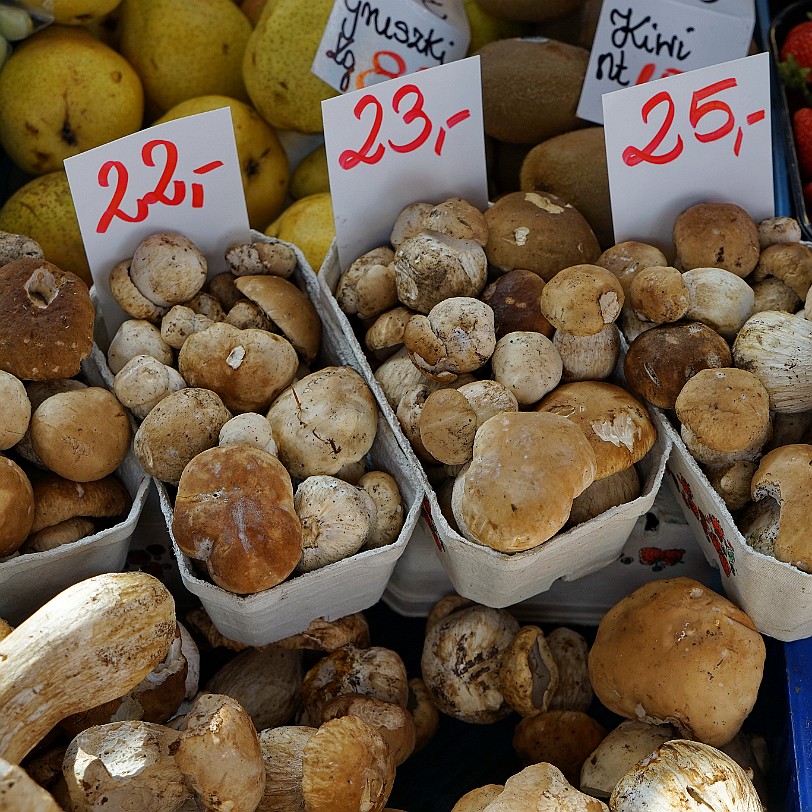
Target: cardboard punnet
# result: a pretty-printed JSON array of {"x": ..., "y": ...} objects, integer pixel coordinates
[
  {"x": 777, "y": 596},
  {"x": 480, "y": 573},
  {"x": 29, "y": 581},
  {"x": 339, "y": 589}
]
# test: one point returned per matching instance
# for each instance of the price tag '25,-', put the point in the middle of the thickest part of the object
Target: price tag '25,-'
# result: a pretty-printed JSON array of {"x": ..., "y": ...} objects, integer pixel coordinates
[
  {"x": 183, "y": 175},
  {"x": 699, "y": 136},
  {"x": 415, "y": 138}
]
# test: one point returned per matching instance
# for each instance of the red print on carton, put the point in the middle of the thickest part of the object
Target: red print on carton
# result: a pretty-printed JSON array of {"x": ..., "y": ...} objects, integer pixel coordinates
[{"x": 711, "y": 526}]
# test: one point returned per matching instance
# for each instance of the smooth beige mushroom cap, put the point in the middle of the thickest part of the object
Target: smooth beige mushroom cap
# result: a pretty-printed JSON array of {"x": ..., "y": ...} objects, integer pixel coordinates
[
  {"x": 675, "y": 652},
  {"x": 16, "y": 410},
  {"x": 16, "y": 506},
  {"x": 143, "y": 382},
  {"x": 168, "y": 269},
  {"x": 719, "y": 299},
  {"x": 137, "y": 337},
  {"x": 775, "y": 230},
  {"x": 527, "y": 364},
  {"x": 789, "y": 262},
  {"x": 457, "y": 218},
  {"x": 582, "y": 299},
  {"x": 181, "y": 322},
  {"x": 384, "y": 491},
  {"x": 250, "y": 428}
]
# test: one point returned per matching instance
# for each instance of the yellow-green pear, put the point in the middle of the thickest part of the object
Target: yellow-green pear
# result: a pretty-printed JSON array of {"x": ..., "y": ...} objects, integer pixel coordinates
[
  {"x": 276, "y": 66},
  {"x": 184, "y": 48},
  {"x": 311, "y": 176},
  {"x": 73, "y": 12},
  {"x": 43, "y": 210},
  {"x": 62, "y": 92},
  {"x": 486, "y": 27},
  {"x": 263, "y": 162},
  {"x": 307, "y": 223}
]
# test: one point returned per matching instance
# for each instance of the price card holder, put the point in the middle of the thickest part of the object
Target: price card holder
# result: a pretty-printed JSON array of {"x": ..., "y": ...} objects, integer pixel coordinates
[
  {"x": 183, "y": 176},
  {"x": 699, "y": 136},
  {"x": 416, "y": 138},
  {"x": 638, "y": 41},
  {"x": 368, "y": 42}
]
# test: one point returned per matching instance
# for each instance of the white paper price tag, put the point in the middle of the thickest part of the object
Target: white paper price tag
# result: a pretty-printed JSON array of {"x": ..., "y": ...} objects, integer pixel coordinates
[
  {"x": 417, "y": 138},
  {"x": 698, "y": 136},
  {"x": 165, "y": 178},
  {"x": 638, "y": 41},
  {"x": 371, "y": 41}
]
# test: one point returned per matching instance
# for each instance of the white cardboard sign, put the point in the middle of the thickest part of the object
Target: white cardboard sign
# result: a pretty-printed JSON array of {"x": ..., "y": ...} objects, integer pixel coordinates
[
  {"x": 369, "y": 41},
  {"x": 698, "y": 136},
  {"x": 183, "y": 176},
  {"x": 418, "y": 138},
  {"x": 638, "y": 41}
]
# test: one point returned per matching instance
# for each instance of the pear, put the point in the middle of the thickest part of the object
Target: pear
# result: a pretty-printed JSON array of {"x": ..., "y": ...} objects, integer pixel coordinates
[
  {"x": 486, "y": 27},
  {"x": 263, "y": 162},
  {"x": 73, "y": 12},
  {"x": 307, "y": 223},
  {"x": 184, "y": 48},
  {"x": 43, "y": 210},
  {"x": 311, "y": 176},
  {"x": 276, "y": 66},
  {"x": 62, "y": 92}
]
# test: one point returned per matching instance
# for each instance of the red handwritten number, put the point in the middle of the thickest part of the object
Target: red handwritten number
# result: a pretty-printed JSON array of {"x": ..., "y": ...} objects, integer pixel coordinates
[
  {"x": 701, "y": 108},
  {"x": 158, "y": 194},
  {"x": 349, "y": 159},
  {"x": 632, "y": 156},
  {"x": 414, "y": 113},
  {"x": 380, "y": 70},
  {"x": 113, "y": 209}
]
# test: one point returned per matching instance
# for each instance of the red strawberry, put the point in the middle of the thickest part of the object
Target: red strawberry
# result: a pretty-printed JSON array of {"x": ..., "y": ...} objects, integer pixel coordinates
[
  {"x": 798, "y": 42},
  {"x": 802, "y": 130}
]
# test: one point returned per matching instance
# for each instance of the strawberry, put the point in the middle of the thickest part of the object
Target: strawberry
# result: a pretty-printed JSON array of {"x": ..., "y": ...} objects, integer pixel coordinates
[
  {"x": 802, "y": 130},
  {"x": 798, "y": 43}
]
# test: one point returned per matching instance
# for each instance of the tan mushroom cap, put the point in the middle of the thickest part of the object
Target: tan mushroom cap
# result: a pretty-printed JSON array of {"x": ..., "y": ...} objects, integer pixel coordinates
[
  {"x": 626, "y": 259},
  {"x": 282, "y": 753},
  {"x": 248, "y": 369},
  {"x": 527, "y": 468},
  {"x": 785, "y": 474},
  {"x": 234, "y": 511},
  {"x": 16, "y": 410},
  {"x": 674, "y": 651},
  {"x": 447, "y": 426},
  {"x": 515, "y": 298},
  {"x": 457, "y": 218},
  {"x": 82, "y": 435},
  {"x": 716, "y": 235},
  {"x": 347, "y": 765},
  {"x": 614, "y": 422},
  {"x": 789, "y": 262},
  {"x": 129, "y": 298},
  {"x": 529, "y": 673},
  {"x": 386, "y": 332},
  {"x": 424, "y": 712},
  {"x": 658, "y": 293},
  {"x": 47, "y": 325},
  {"x": 582, "y": 299},
  {"x": 49, "y": 538},
  {"x": 538, "y": 232},
  {"x": 57, "y": 499},
  {"x": 168, "y": 268},
  {"x": 478, "y": 799},
  {"x": 725, "y": 409},
  {"x": 16, "y": 506},
  {"x": 288, "y": 308}
]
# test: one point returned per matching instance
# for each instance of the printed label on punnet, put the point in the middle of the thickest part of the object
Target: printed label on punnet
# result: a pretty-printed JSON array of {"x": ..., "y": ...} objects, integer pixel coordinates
[{"x": 369, "y": 41}]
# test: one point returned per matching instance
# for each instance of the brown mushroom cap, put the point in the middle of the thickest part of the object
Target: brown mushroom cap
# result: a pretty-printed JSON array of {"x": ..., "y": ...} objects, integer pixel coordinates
[
  {"x": 614, "y": 422},
  {"x": 385, "y": 334},
  {"x": 674, "y": 651},
  {"x": 47, "y": 325},
  {"x": 726, "y": 410},
  {"x": 660, "y": 361},
  {"x": 626, "y": 259},
  {"x": 447, "y": 426},
  {"x": 582, "y": 299},
  {"x": 234, "y": 511},
  {"x": 81, "y": 435},
  {"x": 716, "y": 235},
  {"x": 527, "y": 468},
  {"x": 16, "y": 506},
  {"x": 514, "y": 298},
  {"x": 538, "y": 232},
  {"x": 248, "y": 369},
  {"x": 658, "y": 293},
  {"x": 288, "y": 308}
]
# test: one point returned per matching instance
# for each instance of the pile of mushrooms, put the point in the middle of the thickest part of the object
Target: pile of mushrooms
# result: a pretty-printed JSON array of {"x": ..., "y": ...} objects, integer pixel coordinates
[
  {"x": 722, "y": 342},
  {"x": 268, "y": 457},
  {"x": 495, "y": 332},
  {"x": 62, "y": 439}
]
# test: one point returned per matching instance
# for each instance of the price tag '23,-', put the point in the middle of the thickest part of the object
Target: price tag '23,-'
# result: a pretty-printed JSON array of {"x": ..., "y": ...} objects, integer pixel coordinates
[
  {"x": 415, "y": 138},
  {"x": 700, "y": 136}
]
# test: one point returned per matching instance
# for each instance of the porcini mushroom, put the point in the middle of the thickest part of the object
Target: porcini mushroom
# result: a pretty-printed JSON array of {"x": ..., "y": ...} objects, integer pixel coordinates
[
  {"x": 16, "y": 410},
  {"x": 137, "y": 337},
  {"x": 527, "y": 364},
  {"x": 384, "y": 492},
  {"x": 718, "y": 298},
  {"x": 16, "y": 506},
  {"x": 367, "y": 288},
  {"x": 181, "y": 322},
  {"x": 528, "y": 673},
  {"x": 658, "y": 293},
  {"x": 143, "y": 382},
  {"x": 168, "y": 268},
  {"x": 257, "y": 258}
]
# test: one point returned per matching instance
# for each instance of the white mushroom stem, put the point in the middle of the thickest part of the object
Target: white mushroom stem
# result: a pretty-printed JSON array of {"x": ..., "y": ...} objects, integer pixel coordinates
[{"x": 588, "y": 358}]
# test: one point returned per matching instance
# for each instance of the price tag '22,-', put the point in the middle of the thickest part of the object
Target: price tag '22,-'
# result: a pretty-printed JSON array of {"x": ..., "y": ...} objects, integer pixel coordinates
[
  {"x": 701, "y": 135},
  {"x": 415, "y": 138}
]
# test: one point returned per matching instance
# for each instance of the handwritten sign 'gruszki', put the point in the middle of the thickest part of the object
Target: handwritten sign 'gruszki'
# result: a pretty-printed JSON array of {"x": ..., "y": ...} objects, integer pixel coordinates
[
  {"x": 369, "y": 41},
  {"x": 638, "y": 41}
]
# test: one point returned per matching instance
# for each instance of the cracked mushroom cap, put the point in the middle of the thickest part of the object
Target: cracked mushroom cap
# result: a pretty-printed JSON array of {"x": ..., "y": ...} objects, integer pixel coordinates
[
  {"x": 716, "y": 235},
  {"x": 323, "y": 422},
  {"x": 288, "y": 308},
  {"x": 538, "y": 232},
  {"x": 675, "y": 652},
  {"x": 527, "y": 467},
  {"x": 785, "y": 474},
  {"x": 234, "y": 511},
  {"x": 725, "y": 415},
  {"x": 248, "y": 369},
  {"x": 367, "y": 287},
  {"x": 47, "y": 325},
  {"x": 462, "y": 655},
  {"x": 529, "y": 673},
  {"x": 615, "y": 423}
]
